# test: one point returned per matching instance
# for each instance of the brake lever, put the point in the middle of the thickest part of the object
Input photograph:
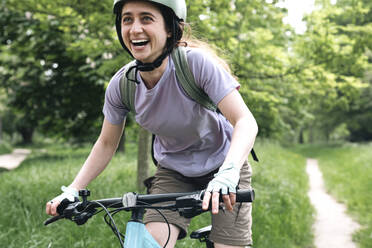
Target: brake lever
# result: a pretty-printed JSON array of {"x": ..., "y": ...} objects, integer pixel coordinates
[
  {"x": 189, "y": 212},
  {"x": 65, "y": 210},
  {"x": 53, "y": 219}
]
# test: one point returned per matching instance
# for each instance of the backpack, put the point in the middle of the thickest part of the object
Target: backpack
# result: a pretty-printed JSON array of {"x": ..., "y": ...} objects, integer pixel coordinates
[{"x": 185, "y": 78}]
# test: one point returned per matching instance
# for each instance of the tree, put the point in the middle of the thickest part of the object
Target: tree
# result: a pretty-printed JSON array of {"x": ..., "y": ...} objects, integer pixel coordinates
[
  {"x": 252, "y": 38},
  {"x": 54, "y": 84},
  {"x": 336, "y": 59},
  {"x": 2, "y": 110},
  {"x": 356, "y": 22},
  {"x": 360, "y": 114}
]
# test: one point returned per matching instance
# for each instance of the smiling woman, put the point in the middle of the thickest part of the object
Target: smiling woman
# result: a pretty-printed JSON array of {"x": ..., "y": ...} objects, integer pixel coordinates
[{"x": 196, "y": 147}]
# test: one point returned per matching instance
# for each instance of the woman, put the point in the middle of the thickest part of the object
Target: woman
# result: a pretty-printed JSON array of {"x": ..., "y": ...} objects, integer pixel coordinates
[{"x": 196, "y": 148}]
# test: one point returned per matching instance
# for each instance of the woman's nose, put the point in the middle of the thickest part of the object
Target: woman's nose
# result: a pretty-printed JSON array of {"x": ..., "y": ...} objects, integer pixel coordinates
[{"x": 136, "y": 27}]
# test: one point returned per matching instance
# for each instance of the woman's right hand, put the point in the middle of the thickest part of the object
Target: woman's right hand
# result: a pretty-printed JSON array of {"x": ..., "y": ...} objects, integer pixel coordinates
[
  {"x": 51, "y": 207},
  {"x": 69, "y": 193}
]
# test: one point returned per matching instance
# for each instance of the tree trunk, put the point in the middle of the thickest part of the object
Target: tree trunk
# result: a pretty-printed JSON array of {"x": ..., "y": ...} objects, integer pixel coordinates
[
  {"x": 311, "y": 134},
  {"x": 301, "y": 136},
  {"x": 144, "y": 144},
  {"x": 1, "y": 130},
  {"x": 26, "y": 134}
]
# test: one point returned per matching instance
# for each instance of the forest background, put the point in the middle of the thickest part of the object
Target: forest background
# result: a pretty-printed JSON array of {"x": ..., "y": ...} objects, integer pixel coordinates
[{"x": 58, "y": 57}]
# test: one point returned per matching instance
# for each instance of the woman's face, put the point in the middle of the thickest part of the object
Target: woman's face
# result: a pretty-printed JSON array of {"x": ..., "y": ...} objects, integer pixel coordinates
[{"x": 143, "y": 30}]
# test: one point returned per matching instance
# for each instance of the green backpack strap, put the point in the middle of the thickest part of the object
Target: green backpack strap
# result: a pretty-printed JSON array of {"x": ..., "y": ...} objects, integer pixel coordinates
[
  {"x": 127, "y": 88},
  {"x": 187, "y": 81}
]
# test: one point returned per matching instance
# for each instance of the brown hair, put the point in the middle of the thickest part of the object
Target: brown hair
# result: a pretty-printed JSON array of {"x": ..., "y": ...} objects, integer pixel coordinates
[{"x": 188, "y": 40}]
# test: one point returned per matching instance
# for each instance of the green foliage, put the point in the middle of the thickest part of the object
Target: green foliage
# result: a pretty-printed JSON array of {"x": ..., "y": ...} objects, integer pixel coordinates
[
  {"x": 335, "y": 48},
  {"x": 57, "y": 58},
  {"x": 5, "y": 147},
  {"x": 254, "y": 42},
  {"x": 52, "y": 71},
  {"x": 360, "y": 114}
]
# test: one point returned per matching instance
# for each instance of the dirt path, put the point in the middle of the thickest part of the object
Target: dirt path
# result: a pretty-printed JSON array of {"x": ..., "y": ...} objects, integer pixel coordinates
[
  {"x": 13, "y": 160},
  {"x": 333, "y": 228}
]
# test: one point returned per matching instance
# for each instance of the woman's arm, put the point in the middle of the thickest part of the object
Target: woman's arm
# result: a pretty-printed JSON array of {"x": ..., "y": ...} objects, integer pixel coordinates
[
  {"x": 99, "y": 157},
  {"x": 101, "y": 154},
  {"x": 245, "y": 126},
  {"x": 244, "y": 134}
]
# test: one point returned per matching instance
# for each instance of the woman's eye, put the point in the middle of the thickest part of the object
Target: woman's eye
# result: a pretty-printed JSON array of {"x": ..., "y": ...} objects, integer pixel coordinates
[
  {"x": 147, "y": 18},
  {"x": 126, "y": 19}
]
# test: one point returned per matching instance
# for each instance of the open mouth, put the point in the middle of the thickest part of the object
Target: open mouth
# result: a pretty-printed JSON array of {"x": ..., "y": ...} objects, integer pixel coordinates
[{"x": 139, "y": 42}]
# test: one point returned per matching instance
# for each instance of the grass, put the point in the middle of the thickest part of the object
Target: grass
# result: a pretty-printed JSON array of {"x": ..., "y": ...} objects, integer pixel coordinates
[
  {"x": 347, "y": 171},
  {"x": 282, "y": 213}
]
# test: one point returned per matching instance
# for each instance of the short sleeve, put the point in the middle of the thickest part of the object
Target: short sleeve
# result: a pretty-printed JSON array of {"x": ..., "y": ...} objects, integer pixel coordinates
[{"x": 215, "y": 80}]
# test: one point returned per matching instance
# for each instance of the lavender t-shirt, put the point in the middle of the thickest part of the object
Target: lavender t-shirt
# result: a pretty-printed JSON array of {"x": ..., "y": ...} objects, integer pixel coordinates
[{"x": 190, "y": 139}]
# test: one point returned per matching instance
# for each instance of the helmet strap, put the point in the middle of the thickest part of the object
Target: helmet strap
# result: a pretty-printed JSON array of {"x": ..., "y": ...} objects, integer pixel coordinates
[{"x": 140, "y": 66}]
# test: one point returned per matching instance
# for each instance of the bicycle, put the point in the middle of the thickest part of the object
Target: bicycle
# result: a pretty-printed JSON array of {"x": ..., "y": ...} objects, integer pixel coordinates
[{"x": 187, "y": 204}]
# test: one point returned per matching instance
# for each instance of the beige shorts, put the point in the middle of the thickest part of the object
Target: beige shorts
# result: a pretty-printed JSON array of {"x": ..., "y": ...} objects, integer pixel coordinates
[{"x": 229, "y": 227}]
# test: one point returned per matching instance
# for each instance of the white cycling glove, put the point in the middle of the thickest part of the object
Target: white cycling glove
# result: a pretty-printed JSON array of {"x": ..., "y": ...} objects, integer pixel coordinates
[
  {"x": 226, "y": 179},
  {"x": 69, "y": 193}
]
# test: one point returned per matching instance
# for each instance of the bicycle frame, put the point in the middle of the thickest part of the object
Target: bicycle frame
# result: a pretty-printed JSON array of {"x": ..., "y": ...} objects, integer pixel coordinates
[{"x": 137, "y": 236}]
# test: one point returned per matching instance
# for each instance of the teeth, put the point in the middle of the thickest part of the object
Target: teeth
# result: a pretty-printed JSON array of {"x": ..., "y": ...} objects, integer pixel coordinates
[{"x": 138, "y": 41}]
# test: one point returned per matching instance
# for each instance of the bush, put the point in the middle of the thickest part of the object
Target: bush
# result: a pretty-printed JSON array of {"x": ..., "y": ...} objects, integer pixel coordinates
[{"x": 5, "y": 147}]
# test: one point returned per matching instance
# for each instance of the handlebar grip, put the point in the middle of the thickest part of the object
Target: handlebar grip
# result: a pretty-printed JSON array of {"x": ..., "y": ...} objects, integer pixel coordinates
[
  {"x": 53, "y": 219},
  {"x": 245, "y": 195}
]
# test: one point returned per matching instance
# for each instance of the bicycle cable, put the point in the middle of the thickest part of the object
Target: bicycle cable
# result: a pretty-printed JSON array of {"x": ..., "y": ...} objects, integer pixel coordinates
[
  {"x": 111, "y": 222},
  {"x": 108, "y": 222},
  {"x": 114, "y": 227}
]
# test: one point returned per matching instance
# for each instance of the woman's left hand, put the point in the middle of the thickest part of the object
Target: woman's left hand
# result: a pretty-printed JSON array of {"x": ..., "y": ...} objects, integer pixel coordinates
[{"x": 224, "y": 182}]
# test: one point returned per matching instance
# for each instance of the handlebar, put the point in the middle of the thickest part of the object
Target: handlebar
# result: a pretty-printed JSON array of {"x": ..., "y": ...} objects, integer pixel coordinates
[{"x": 187, "y": 204}]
